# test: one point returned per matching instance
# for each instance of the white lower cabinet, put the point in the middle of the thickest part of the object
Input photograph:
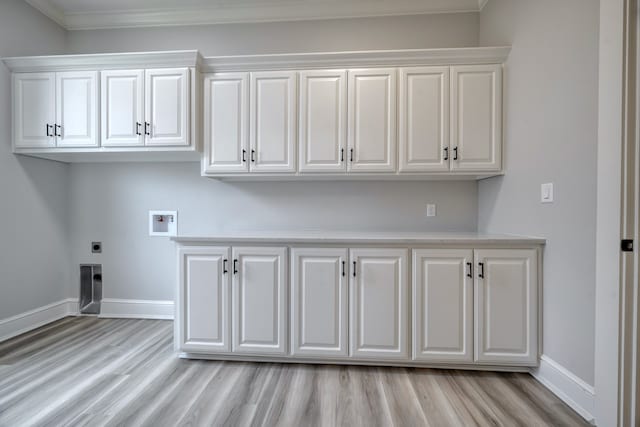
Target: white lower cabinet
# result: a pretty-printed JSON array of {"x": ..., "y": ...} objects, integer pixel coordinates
[
  {"x": 443, "y": 305},
  {"x": 259, "y": 300},
  {"x": 379, "y": 304},
  {"x": 319, "y": 307}
]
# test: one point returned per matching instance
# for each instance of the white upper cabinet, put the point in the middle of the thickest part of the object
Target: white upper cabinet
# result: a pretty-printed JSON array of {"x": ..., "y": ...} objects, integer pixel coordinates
[
  {"x": 34, "y": 109},
  {"x": 77, "y": 109},
  {"x": 443, "y": 305},
  {"x": 323, "y": 120},
  {"x": 476, "y": 118},
  {"x": 372, "y": 120},
  {"x": 226, "y": 112},
  {"x": 319, "y": 320},
  {"x": 204, "y": 300},
  {"x": 122, "y": 107},
  {"x": 273, "y": 121},
  {"x": 167, "y": 106},
  {"x": 423, "y": 119},
  {"x": 506, "y": 301},
  {"x": 259, "y": 300},
  {"x": 379, "y": 304}
]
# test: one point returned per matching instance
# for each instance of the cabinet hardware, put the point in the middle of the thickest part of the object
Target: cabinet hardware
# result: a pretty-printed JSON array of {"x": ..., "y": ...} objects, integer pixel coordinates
[
  {"x": 342, "y": 154},
  {"x": 55, "y": 132},
  {"x": 455, "y": 153},
  {"x": 470, "y": 272},
  {"x": 147, "y": 125},
  {"x": 253, "y": 156},
  {"x": 48, "y": 126},
  {"x": 235, "y": 266},
  {"x": 354, "y": 269},
  {"x": 343, "y": 269},
  {"x": 446, "y": 153},
  {"x": 138, "y": 124},
  {"x": 351, "y": 156},
  {"x": 224, "y": 266},
  {"x": 481, "y": 272},
  {"x": 244, "y": 156}
]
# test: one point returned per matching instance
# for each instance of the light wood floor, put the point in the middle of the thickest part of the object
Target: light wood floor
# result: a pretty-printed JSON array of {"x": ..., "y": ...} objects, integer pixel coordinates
[{"x": 92, "y": 372}]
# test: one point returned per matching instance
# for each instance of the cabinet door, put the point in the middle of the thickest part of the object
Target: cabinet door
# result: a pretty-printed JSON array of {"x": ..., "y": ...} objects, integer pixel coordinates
[
  {"x": 443, "y": 305},
  {"x": 226, "y": 111},
  {"x": 506, "y": 301},
  {"x": 77, "y": 109},
  {"x": 34, "y": 109},
  {"x": 203, "y": 308},
  {"x": 166, "y": 106},
  {"x": 273, "y": 121},
  {"x": 476, "y": 118},
  {"x": 319, "y": 302},
  {"x": 372, "y": 120},
  {"x": 379, "y": 304},
  {"x": 323, "y": 119},
  {"x": 121, "y": 112},
  {"x": 424, "y": 119},
  {"x": 259, "y": 300}
]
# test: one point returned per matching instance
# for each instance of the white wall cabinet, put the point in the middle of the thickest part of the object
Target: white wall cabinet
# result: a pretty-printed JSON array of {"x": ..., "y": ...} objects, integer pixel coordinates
[
  {"x": 226, "y": 111},
  {"x": 319, "y": 302},
  {"x": 379, "y": 303},
  {"x": 506, "y": 301},
  {"x": 166, "y": 103},
  {"x": 273, "y": 111},
  {"x": 55, "y": 109},
  {"x": 323, "y": 121},
  {"x": 372, "y": 120},
  {"x": 122, "y": 112},
  {"x": 259, "y": 300},
  {"x": 442, "y": 305},
  {"x": 204, "y": 302},
  {"x": 476, "y": 118}
]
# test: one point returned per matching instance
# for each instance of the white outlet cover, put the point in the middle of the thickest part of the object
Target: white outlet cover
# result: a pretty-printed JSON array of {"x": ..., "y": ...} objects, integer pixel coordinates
[
  {"x": 546, "y": 193},
  {"x": 163, "y": 223},
  {"x": 431, "y": 209}
]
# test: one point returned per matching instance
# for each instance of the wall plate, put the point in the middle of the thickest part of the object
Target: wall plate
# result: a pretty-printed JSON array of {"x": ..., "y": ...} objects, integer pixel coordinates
[{"x": 163, "y": 223}]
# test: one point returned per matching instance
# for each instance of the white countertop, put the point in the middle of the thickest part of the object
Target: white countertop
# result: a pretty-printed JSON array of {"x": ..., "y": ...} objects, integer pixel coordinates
[{"x": 364, "y": 237}]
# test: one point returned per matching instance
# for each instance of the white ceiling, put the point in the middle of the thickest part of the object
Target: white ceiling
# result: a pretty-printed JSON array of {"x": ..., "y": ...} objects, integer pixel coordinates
[{"x": 92, "y": 14}]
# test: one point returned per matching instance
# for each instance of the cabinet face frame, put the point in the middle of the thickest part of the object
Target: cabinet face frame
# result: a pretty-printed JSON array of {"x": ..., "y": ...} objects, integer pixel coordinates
[
  {"x": 153, "y": 110},
  {"x": 132, "y": 138},
  {"x": 212, "y": 163},
  {"x": 359, "y": 108},
  {"x": 435, "y": 113},
  {"x": 263, "y": 122},
  {"x": 490, "y": 281},
  {"x": 19, "y": 119},
  {"x": 459, "y": 286},
  {"x": 242, "y": 257},
  {"x": 461, "y": 101},
  {"x": 330, "y": 116},
  {"x": 365, "y": 292},
  {"x": 189, "y": 306},
  {"x": 303, "y": 291}
]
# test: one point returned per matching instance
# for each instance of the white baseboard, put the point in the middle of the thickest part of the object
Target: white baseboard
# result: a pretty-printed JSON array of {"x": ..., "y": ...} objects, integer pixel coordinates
[
  {"x": 573, "y": 391},
  {"x": 32, "y": 319},
  {"x": 136, "y": 309}
]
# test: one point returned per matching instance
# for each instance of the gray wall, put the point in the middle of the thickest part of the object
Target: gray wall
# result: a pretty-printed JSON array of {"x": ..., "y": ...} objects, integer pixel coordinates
[
  {"x": 34, "y": 254},
  {"x": 551, "y": 101}
]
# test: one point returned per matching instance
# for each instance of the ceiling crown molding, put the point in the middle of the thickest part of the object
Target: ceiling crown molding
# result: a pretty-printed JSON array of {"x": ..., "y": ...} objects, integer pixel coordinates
[{"x": 263, "y": 11}]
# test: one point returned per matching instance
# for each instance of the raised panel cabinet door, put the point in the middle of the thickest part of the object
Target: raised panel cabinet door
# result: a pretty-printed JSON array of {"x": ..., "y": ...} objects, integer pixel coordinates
[
  {"x": 423, "y": 116},
  {"x": 372, "y": 120},
  {"x": 204, "y": 300},
  {"x": 77, "y": 109},
  {"x": 273, "y": 121},
  {"x": 443, "y": 305},
  {"x": 379, "y": 310},
  {"x": 319, "y": 323},
  {"x": 34, "y": 110},
  {"x": 166, "y": 106},
  {"x": 506, "y": 301},
  {"x": 323, "y": 121},
  {"x": 226, "y": 114},
  {"x": 259, "y": 300},
  {"x": 121, "y": 110},
  {"x": 476, "y": 118}
]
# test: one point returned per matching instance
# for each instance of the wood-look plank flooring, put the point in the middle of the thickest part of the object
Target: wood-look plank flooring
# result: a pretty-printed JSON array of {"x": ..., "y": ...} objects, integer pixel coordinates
[{"x": 84, "y": 371}]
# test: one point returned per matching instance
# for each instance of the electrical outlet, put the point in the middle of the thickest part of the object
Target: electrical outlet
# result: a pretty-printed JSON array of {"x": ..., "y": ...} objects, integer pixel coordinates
[
  {"x": 431, "y": 209},
  {"x": 96, "y": 247}
]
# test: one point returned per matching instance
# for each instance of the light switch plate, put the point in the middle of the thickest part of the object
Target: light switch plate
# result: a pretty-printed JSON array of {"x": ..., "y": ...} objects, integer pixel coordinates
[
  {"x": 431, "y": 209},
  {"x": 546, "y": 193}
]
